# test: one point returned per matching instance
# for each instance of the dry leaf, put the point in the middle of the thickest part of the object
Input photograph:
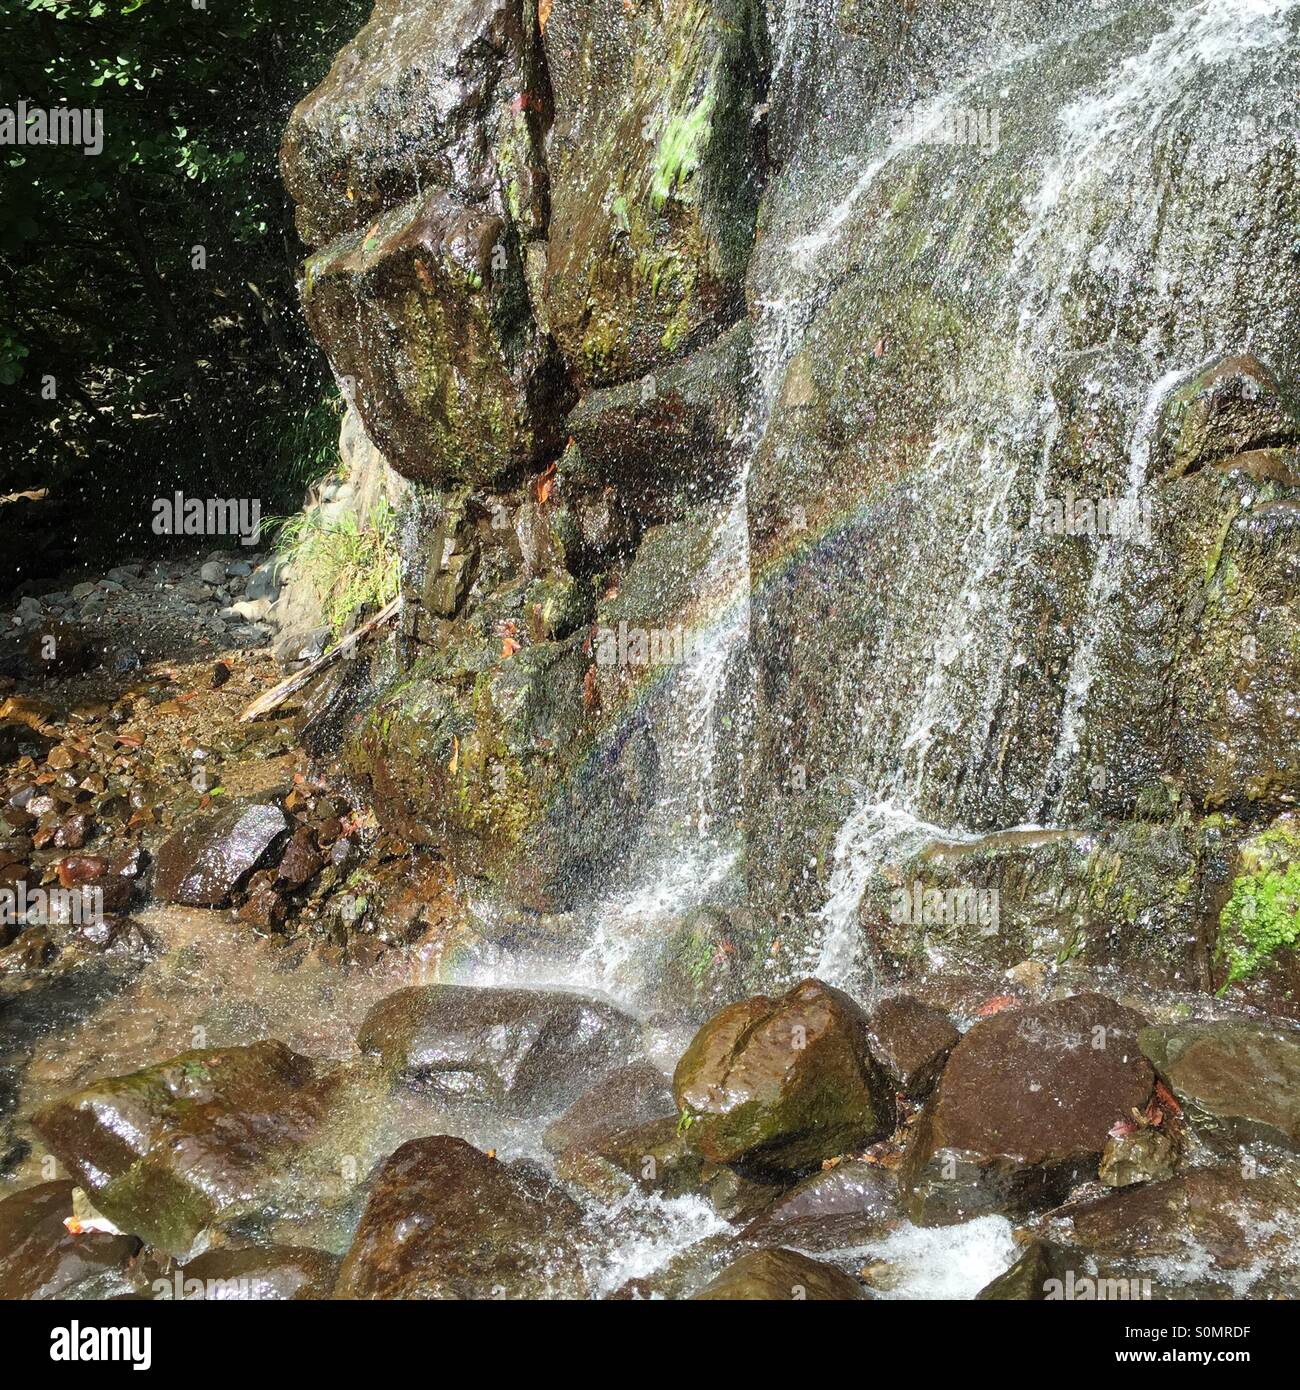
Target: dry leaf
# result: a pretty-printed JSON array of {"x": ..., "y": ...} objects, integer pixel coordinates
[
  {"x": 455, "y": 755},
  {"x": 543, "y": 13},
  {"x": 544, "y": 484},
  {"x": 508, "y": 648}
]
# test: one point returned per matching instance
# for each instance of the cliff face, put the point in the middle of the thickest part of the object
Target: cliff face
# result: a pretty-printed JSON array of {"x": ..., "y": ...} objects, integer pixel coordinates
[{"x": 929, "y": 382}]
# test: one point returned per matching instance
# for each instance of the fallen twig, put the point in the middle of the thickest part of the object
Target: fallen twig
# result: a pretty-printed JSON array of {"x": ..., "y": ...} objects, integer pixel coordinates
[{"x": 278, "y": 694}]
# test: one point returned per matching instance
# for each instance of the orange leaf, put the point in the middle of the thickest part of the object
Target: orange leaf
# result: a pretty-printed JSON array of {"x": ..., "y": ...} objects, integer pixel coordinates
[
  {"x": 455, "y": 755},
  {"x": 508, "y": 648},
  {"x": 544, "y": 484},
  {"x": 995, "y": 1005},
  {"x": 543, "y": 13}
]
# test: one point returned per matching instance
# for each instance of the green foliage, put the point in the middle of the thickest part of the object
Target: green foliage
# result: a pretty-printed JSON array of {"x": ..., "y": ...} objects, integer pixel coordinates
[
  {"x": 350, "y": 566},
  {"x": 155, "y": 281},
  {"x": 1263, "y": 914}
]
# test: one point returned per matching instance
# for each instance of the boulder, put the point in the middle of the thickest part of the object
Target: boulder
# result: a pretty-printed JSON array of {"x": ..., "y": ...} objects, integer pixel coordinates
[
  {"x": 1238, "y": 1083},
  {"x": 207, "y": 860},
  {"x": 778, "y": 1275},
  {"x": 1027, "y": 1281},
  {"x": 271, "y": 1273},
  {"x": 911, "y": 1041},
  {"x": 1023, "y": 1109},
  {"x": 1212, "y": 1233},
  {"x": 427, "y": 315},
  {"x": 625, "y": 1099},
  {"x": 446, "y": 1221},
  {"x": 782, "y": 1083},
  {"x": 426, "y": 95},
  {"x": 852, "y": 1203},
  {"x": 41, "y": 1258},
  {"x": 526, "y": 1051},
  {"x": 165, "y": 1152}
]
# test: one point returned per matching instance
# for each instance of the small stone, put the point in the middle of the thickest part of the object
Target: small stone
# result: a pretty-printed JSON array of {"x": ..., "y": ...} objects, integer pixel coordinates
[{"x": 1145, "y": 1154}]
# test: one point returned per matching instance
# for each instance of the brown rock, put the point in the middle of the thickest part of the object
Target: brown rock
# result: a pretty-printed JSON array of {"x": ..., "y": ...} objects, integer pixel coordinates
[
  {"x": 203, "y": 863},
  {"x": 911, "y": 1041},
  {"x": 774, "y": 1276},
  {"x": 446, "y": 1221},
  {"x": 783, "y": 1083},
  {"x": 849, "y": 1204},
  {"x": 526, "y": 1050},
  {"x": 631, "y": 1096},
  {"x": 165, "y": 1151},
  {"x": 277, "y": 1273},
  {"x": 40, "y": 1258},
  {"x": 1024, "y": 1108}
]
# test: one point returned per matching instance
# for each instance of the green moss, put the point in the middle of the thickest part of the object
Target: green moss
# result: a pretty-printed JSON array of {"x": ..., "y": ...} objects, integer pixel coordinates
[
  {"x": 1262, "y": 915},
  {"x": 677, "y": 155}
]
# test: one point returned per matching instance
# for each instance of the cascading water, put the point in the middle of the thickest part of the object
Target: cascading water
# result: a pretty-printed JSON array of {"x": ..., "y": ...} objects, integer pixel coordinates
[{"x": 1102, "y": 220}]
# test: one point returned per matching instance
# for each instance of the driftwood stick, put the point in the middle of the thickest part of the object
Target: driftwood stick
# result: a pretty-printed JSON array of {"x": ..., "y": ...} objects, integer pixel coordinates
[{"x": 278, "y": 694}]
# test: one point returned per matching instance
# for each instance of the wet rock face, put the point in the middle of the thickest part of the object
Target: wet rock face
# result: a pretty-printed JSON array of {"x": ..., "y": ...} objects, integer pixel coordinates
[
  {"x": 166, "y": 1151},
  {"x": 523, "y": 1050},
  {"x": 782, "y": 1083},
  {"x": 446, "y": 1221},
  {"x": 922, "y": 626},
  {"x": 1238, "y": 1083},
  {"x": 1023, "y": 1108},
  {"x": 654, "y": 164},
  {"x": 1027, "y": 1281},
  {"x": 40, "y": 1258},
  {"x": 417, "y": 171},
  {"x": 1136, "y": 894},
  {"x": 202, "y": 864},
  {"x": 427, "y": 313},
  {"x": 776, "y": 1275},
  {"x": 850, "y": 1204},
  {"x": 425, "y": 95}
]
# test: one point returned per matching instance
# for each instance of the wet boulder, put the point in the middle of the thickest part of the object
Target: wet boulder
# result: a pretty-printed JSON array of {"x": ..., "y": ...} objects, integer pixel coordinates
[
  {"x": 911, "y": 1041},
  {"x": 203, "y": 863},
  {"x": 166, "y": 1152},
  {"x": 782, "y": 1083},
  {"x": 41, "y": 1258},
  {"x": 427, "y": 95},
  {"x": 655, "y": 174},
  {"x": 774, "y": 1276},
  {"x": 275, "y": 1273},
  {"x": 445, "y": 1220},
  {"x": 1023, "y": 1109},
  {"x": 523, "y": 1050},
  {"x": 1029, "y": 1279},
  {"x": 631, "y": 1096},
  {"x": 850, "y": 1204},
  {"x": 1207, "y": 1233},
  {"x": 426, "y": 312},
  {"x": 1238, "y": 1082}
]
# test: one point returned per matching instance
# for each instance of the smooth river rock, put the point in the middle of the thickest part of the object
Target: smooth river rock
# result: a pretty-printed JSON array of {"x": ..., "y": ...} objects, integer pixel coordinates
[
  {"x": 203, "y": 863},
  {"x": 524, "y": 1050},
  {"x": 782, "y": 1083},
  {"x": 1024, "y": 1108},
  {"x": 445, "y": 1220},
  {"x": 772, "y": 1276}
]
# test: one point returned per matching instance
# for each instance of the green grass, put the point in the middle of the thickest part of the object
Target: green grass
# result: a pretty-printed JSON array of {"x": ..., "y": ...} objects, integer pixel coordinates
[
  {"x": 350, "y": 566},
  {"x": 1263, "y": 914}
]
